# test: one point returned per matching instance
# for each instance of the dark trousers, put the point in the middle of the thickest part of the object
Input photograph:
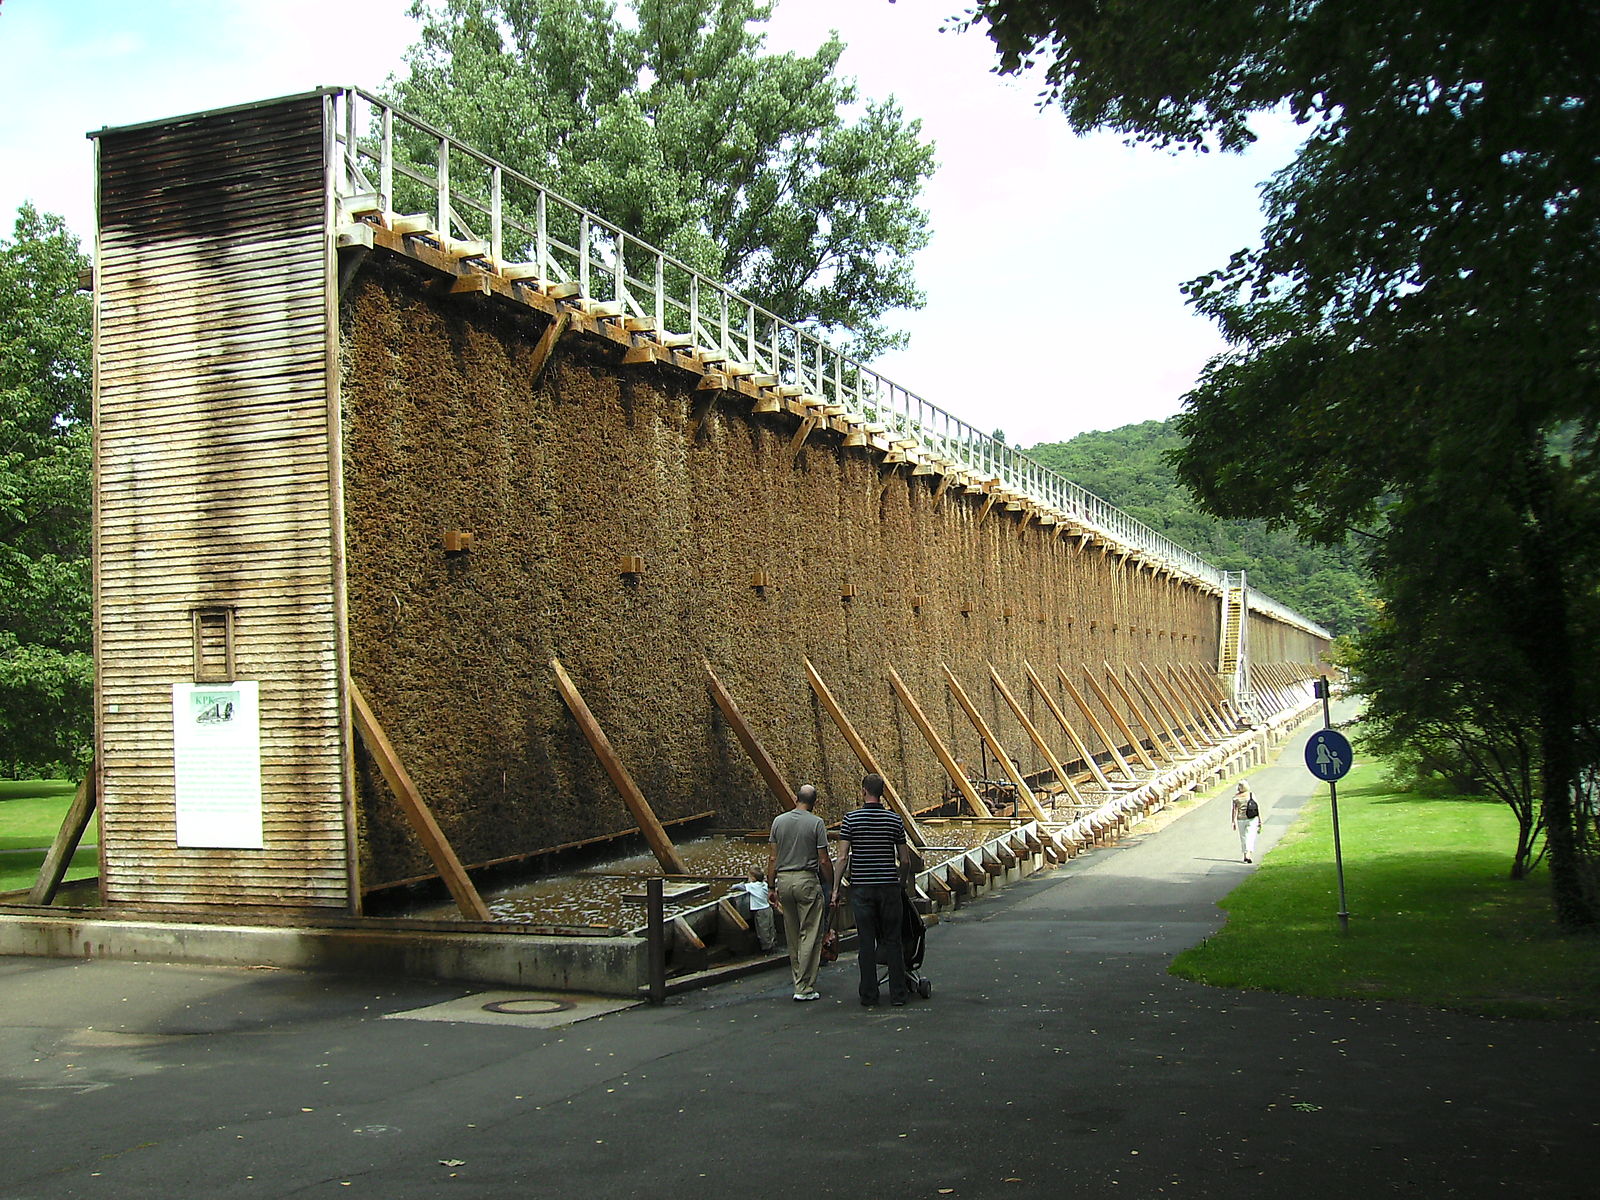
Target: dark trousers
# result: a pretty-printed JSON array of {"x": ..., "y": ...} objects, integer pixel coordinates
[{"x": 877, "y": 912}]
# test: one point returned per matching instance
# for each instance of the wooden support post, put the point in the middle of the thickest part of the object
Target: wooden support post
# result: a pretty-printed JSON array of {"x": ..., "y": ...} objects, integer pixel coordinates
[
  {"x": 547, "y": 344},
  {"x": 702, "y": 409},
  {"x": 65, "y": 844},
  {"x": 941, "y": 487},
  {"x": 656, "y": 938},
  {"x": 940, "y": 751},
  {"x": 1078, "y": 743},
  {"x": 1024, "y": 792},
  {"x": 1156, "y": 744},
  {"x": 1135, "y": 746},
  {"x": 776, "y": 784},
  {"x": 416, "y": 810},
  {"x": 1034, "y": 736},
  {"x": 732, "y": 918},
  {"x": 1106, "y": 739},
  {"x": 807, "y": 427},
  {"x": 643, "y": 815},
  {"x": 863, "y": 754},
  {"x": 988, "y": 504}
]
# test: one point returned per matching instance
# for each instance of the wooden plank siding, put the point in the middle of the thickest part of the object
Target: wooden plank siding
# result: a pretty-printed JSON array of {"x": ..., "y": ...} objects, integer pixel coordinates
[{"x": 215, "y": 467}]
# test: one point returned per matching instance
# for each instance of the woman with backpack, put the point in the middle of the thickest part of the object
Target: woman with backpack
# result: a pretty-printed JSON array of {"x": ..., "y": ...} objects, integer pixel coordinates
[{"x": 1246, "y": 820}]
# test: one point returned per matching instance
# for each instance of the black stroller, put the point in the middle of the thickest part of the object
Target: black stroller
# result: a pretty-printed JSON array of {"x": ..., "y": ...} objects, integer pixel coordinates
[{"x": 913, "y": 942}]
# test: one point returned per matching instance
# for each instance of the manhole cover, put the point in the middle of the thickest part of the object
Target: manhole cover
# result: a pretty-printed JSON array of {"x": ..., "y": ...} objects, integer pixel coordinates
[{"x": 536, "y": 1006}]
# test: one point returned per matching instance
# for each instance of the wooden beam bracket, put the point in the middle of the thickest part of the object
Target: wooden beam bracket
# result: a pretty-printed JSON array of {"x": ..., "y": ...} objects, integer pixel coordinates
[{"x": 547, "y": 345}]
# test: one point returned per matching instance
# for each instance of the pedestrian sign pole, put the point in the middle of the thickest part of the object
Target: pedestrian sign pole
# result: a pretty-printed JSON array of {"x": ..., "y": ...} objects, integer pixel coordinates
[{"x": 1328, "y": 758}]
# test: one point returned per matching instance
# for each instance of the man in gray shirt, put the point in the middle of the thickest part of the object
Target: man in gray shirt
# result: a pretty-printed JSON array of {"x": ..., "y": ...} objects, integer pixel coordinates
[{"x": 800, "y": 868}]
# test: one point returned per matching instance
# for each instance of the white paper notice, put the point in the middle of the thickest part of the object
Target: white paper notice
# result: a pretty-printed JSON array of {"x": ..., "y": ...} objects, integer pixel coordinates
[{"x": 216, "y": 742}]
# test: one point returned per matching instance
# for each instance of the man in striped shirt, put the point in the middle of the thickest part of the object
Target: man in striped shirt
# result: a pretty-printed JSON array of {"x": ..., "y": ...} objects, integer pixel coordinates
[{"x": 876, "y": 856}]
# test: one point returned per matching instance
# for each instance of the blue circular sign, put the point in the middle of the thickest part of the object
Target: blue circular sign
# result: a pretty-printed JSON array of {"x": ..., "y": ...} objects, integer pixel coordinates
[{"x": 1328, "y": 755}]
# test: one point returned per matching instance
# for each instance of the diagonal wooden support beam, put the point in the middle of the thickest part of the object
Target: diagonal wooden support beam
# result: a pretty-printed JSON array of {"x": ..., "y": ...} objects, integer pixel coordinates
[
  {"x": 1192, "y": 722},
  {"x": 1106, "y": 740},
  {"x": 643, "y": 815},
  {"x": 65, "y": 844},
  {"x": 1205, "y": 683},
  {"x": 863, "y": 754},
  {"x": 1135, "y": 746},
  {"x": 1078, "y": 743},
  {"x": 1165, "y": 718},
  {"x": 1209, "y": 686},
  {"x": 1181, "y": 684},
  {"x": 1178, "y": 697},
  {"x": 1024, "y": 792},
  {"x": 1156, "y": 744},
  {"x": 776, "y": 784},
  {"x": 416, "y": 810},
  {"x": 1034, "y": 735},
  {"x": 1267, "y": 672},
  {"x": 547, "y": 344},
  {"x": 940, "y": 750}
]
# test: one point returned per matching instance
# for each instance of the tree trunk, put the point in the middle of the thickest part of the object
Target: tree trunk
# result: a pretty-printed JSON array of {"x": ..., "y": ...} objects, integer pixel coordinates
[{"x": 1544, "y": 629}]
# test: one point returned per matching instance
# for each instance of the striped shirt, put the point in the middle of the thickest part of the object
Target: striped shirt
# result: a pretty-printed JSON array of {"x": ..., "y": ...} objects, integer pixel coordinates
[{"x": 875, "y": 835}]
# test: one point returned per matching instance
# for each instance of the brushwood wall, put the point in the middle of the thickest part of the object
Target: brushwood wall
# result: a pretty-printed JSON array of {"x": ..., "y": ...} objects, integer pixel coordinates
[{"x": 866, "y": 566}]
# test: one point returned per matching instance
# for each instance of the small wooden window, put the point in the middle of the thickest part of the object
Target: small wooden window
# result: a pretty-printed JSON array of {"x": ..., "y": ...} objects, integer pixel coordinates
[{"x": 213, "y": 645}]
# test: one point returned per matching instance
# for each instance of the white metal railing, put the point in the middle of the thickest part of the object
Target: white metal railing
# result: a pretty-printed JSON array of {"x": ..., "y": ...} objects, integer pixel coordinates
[{"x": 382, "y": 153}]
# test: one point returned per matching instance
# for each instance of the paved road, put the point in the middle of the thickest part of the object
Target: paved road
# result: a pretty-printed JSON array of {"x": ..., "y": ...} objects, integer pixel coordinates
[{"x": 1056, "y": 1055}]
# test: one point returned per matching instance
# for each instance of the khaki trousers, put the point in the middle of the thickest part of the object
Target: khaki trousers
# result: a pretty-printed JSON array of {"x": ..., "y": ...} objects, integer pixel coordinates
[{"x": 803, "y": 911}]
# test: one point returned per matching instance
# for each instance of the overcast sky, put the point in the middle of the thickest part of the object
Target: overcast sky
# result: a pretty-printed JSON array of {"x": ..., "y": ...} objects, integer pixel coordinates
[{"x": 1053, "y": 274}]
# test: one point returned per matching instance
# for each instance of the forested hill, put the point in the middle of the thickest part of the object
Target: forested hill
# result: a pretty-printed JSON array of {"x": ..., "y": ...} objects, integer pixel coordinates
[{"x": 1125, "y": 466}]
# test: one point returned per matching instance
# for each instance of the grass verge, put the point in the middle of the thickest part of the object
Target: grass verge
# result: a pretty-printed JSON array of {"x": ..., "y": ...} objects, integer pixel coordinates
[
  {"x": 31, "y": 811},
  {"x": 1434, "y": 918}
]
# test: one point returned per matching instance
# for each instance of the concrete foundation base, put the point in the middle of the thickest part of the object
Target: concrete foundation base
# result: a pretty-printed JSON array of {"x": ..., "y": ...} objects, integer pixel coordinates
[{"x": 611, "y": 966}]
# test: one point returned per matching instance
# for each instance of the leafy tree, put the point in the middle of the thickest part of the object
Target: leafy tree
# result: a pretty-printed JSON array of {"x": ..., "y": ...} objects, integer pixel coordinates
[
  {"x": 46, "y": 667},
  {"x": 1130, "y": 468},
  {"x": 766, "y": 171},
  {"x": 1414, "y": 339}
]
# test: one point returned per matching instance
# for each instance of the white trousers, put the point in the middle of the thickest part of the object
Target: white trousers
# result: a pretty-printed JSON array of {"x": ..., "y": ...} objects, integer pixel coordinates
[{"x": 1248, "y": 828}]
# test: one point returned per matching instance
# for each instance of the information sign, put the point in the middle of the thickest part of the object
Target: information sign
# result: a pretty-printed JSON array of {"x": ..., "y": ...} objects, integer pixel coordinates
[{"x": 216, "y": 747}]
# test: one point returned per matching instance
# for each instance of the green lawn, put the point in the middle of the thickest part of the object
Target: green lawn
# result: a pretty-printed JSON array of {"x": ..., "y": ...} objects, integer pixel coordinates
[
  {"x": 1434, "y": 918},
  {"x": 30, "y": 813}
]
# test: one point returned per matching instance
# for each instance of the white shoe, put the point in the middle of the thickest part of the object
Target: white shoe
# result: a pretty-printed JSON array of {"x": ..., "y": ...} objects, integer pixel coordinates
[{"x": 811, "y": 995}]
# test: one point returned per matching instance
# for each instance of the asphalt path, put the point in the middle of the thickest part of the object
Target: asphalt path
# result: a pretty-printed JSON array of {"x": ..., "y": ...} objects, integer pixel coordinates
[{"x": 1056, "y": 1055}]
